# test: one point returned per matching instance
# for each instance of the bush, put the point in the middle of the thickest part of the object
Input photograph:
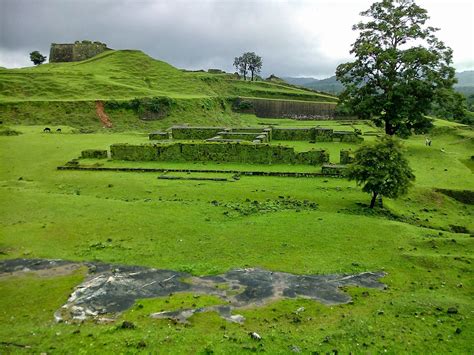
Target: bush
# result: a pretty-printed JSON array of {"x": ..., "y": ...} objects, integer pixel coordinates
[
  {"x": 146, "y": 108},
  {"x": 9, "y": 132},
  {"x": 242, "y": 105},
  {"x": 382, "y": 169}
]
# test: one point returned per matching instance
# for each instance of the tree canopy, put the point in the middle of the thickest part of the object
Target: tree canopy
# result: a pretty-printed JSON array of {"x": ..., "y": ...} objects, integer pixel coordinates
[
  {"x": 400, "y": 67},
  {"x": 248, "y": 61},
  {"x": 382, "y": 169},
  {"x": 37, "y": 58}
]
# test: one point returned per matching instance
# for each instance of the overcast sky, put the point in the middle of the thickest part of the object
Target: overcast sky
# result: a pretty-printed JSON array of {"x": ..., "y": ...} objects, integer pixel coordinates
[{"x": 294, "y": 37}]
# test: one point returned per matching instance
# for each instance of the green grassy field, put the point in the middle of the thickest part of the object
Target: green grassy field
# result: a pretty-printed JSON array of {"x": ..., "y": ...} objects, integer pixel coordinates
[
  {"x": 138, "y": 219},
  {"x": 423, "y": 241}
]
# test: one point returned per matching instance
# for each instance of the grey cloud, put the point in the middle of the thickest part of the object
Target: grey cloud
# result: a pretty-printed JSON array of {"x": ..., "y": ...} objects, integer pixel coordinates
[
  {"x": 199, "y": 34},
  {"x": 187, "y": 34}
]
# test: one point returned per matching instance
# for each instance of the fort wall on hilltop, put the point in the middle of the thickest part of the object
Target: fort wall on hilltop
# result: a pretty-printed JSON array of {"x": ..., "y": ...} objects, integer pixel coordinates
[{"x": 75, "y": 52}]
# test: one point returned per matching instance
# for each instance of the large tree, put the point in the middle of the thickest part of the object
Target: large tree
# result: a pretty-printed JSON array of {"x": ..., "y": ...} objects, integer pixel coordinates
[
  {"x": 382, "y": 169},
  {"x": 399, "y": 68},
  {"x": 37, "y": 58},
  {"x": 248, "y": 61}
]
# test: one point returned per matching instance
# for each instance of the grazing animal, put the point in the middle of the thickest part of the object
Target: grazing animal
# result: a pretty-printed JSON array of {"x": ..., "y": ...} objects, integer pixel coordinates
[
  {"x": 47, "y": 129},
  {"x": 58, "y": 130},
  {"x": 255, "y": 336}
]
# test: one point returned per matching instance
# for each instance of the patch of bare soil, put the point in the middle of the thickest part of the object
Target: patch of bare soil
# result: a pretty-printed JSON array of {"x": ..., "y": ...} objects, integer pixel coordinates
[{"x": 100, "y": 111}]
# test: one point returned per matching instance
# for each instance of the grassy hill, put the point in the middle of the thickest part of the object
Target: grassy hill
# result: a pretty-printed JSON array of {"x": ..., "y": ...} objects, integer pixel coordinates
[
  {"x": 127, "y": 74},
  {"x": 66, "y": 93}
]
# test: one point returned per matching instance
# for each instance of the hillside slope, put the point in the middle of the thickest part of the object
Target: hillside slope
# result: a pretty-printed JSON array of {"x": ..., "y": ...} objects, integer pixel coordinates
[{"x": 127, "y": 74}]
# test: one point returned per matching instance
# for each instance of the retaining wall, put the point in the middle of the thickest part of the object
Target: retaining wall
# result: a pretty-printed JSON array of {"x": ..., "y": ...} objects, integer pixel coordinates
[{"x": 292, "y": 109}]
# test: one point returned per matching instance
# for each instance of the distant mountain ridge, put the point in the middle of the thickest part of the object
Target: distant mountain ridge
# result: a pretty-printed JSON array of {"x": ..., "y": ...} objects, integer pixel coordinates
[
  {"x": 465, "y": 78},
  {"x": 331, "y": 85}
]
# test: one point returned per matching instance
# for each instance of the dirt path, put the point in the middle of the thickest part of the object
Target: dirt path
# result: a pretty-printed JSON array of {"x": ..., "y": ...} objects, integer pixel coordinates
[{"x": 99, "y": 109}]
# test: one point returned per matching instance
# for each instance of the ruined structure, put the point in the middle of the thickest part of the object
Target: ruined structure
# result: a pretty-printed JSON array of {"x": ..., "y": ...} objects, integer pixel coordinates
[{"x": 75, "y": 52}]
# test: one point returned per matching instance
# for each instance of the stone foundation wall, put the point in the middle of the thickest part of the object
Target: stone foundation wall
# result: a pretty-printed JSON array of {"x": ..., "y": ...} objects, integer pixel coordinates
[
  {"x": 218, "y": 152},
  {"x": 94, "y": 154},
  {"x": 303, "y": 134},
  {"x": 194, "y": 133}
]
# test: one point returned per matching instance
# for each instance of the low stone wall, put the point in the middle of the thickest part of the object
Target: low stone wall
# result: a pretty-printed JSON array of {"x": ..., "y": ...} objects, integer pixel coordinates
[
  {"x": 346, "y": 136},
  {"x": 346, "y": 156},
  {"x": 94, "y": 154},
  {"x": 159, "y": 135},
  {"x": 316, "y": 134},
  {"x": 333, "y": 170},
  {"x": 183, "y": 132},
  {"x": 245, "y": 136},
  {"x": 219, "y": 152}
]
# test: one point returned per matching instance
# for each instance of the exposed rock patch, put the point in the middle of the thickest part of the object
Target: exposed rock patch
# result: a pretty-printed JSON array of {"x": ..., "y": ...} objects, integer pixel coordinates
[{"x": 111, "y": 289}]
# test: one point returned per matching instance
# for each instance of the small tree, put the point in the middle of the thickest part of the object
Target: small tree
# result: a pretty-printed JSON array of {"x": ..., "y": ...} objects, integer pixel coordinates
[
  {"x": 382, "y": 169},
  {"x": 399, "y": 67},
  {"x": 37, "y": 58},
  {"x": 254, "y": 63},
  {"x": 241, "y": 65},
  {"x": 248, "y": 61}
]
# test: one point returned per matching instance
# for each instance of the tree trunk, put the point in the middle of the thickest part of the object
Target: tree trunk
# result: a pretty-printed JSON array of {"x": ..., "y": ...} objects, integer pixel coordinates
[
  {"x": 374, "y": 197},
  {"x": 252, "y": 76}
]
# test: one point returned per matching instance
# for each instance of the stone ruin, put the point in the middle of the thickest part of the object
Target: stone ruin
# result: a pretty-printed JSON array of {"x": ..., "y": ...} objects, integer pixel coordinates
[
  {"x": 75, "y": 52},
  {"x": 256, "y": 134},
  {"x": 248, "y": 145}
]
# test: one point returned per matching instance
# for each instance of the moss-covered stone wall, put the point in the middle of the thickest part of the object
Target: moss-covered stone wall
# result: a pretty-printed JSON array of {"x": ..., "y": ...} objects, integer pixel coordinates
[
  {"x": 316, "y": 134},
  {"x": 74, "y": 52},
  {"x": 345, "y": 136},
  {"x": 158, "y": 135},
  {"x": 194, "y": 133},
  {"x": 94, "y": 154},
  {"x": 346, "y": 156},
  {"x": 245, "y": 136},
  {"x": 302, "y": 134},
  {"x": 219, "y": 152}
]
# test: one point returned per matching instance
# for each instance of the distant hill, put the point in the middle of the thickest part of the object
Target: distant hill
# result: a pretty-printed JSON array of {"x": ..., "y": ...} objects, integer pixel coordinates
[
  {"x": 465, "y": 78},
  {"x": 465, "y": 83},
  {"x": 330, "y": 85},
  {"x": 299, "y": 81}
]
